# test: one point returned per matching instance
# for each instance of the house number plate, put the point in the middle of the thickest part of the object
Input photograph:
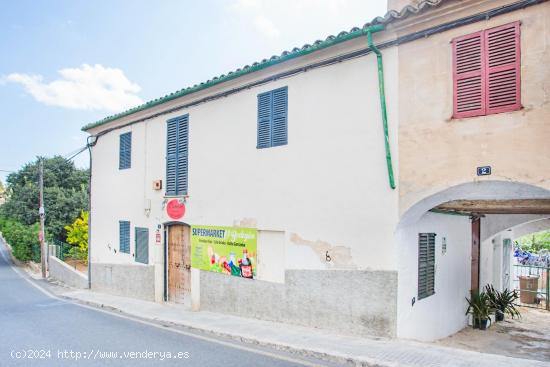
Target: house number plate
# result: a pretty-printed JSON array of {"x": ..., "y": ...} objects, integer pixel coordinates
[{"x": 484, "y": 171}]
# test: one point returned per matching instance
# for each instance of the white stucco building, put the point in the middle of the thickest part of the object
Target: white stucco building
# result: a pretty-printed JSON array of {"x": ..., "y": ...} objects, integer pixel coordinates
[{"x": 294, "y": 148}]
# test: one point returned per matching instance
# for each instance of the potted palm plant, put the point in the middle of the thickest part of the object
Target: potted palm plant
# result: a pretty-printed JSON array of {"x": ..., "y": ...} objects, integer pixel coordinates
[
  {"x": 479, "y": 307},
  {"x": 502, "y": 302}
]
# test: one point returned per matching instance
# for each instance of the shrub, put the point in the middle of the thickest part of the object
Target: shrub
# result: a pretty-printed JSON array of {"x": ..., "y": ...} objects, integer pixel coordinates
[
  {"x": 77, "y": 254},
  {"x": 503, "y": 302},
  {"x": 77, "y": 235},
  {"x": 22, "y": 238}
]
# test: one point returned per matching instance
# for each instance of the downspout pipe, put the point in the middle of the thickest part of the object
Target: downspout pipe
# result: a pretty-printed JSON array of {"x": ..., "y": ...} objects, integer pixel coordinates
[{"x": 369, "y": 31}]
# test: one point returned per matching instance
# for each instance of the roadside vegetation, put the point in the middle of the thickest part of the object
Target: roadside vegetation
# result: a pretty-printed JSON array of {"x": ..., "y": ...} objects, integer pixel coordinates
[
  {"x": 535, "y": 242},
  {"x": 77, "y": 235},
  {"x": 65, "y": 201},
  {"x": 2, "y": 192}
]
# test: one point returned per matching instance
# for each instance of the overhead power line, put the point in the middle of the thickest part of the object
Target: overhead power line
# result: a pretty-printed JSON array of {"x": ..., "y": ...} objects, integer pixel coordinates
[{"x": 77, "y": 153}]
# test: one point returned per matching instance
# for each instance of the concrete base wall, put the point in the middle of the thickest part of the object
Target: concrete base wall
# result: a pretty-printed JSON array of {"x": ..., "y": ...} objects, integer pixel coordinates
[
  {"x": 59, "y": 270},
  {"x": 347, "y": 301},
  {"x": 136, "y": 281}
]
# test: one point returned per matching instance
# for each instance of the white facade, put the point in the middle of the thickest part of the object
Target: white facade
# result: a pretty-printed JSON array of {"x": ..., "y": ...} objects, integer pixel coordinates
[
  {"x": 337, "y": 247},
  {"x": 442, "y": 313},
  {"x": 326, "y": 185},
  {"x": 324, "y": 193}
]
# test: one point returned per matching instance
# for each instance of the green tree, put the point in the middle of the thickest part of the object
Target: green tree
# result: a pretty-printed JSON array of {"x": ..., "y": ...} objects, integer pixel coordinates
[
  {"x": 535, "y": 242},
  {"x": 2, "y": 193},
  {"x": 65, "y": 194}
]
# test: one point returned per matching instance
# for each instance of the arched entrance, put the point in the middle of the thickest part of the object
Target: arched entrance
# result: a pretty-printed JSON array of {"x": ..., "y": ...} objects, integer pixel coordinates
[
  {"x": 441, "y": 250},
  {"x": 532, "y": 262}
]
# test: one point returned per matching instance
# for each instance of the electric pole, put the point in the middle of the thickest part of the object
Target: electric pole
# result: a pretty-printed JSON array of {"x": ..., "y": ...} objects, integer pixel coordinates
[{"x": 42, "y": 213}]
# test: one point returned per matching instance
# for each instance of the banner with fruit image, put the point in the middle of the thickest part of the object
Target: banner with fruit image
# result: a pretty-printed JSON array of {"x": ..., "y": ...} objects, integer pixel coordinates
[{"x": 227, "y": 250}]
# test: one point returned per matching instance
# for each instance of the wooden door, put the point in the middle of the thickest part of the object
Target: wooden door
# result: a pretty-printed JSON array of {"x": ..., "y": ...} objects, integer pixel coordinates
[
  {"x": 475, "y": 254},
  {"x": 179, "y": 263}
]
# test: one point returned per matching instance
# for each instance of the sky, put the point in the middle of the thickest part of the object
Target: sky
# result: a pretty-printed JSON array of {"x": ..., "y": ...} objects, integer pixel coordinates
[{"x": 64, "y": 64}]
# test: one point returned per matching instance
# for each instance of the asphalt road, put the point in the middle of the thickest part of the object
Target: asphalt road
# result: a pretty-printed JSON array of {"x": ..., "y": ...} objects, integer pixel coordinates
[{"x": 38, "y": 329}]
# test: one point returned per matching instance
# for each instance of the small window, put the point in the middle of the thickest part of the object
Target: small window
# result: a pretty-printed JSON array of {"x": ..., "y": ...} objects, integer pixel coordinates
[
  {"x": 426, "y": 264},
  {"x": 142, "y": 245},
  {"x": 272, "y": 118},
  {"x": 125, "y": 151},
  {"x": 486, "y": 72},
  {"x": 177, "y": 152},
  {"x": 124, "y": 236}
]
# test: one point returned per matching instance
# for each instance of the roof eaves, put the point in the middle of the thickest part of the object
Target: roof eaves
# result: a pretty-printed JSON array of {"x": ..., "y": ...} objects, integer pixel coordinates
[{"x": 306, "y": 49}]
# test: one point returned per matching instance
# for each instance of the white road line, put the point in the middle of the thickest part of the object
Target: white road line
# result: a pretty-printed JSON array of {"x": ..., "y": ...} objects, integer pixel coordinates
[{"x": 181, "y": 332}]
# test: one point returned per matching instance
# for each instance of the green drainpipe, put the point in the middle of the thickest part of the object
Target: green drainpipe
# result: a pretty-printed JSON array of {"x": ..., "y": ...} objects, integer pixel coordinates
[{"x": 370, "y": 31}]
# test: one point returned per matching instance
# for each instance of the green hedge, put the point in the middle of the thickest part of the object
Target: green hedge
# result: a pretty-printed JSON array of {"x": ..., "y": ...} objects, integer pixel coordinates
[{"x": 22, "y": 238}]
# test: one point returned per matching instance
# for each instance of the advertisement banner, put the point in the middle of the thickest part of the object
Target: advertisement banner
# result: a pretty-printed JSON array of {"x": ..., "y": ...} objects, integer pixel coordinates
[{"x": 227, "y": 250}]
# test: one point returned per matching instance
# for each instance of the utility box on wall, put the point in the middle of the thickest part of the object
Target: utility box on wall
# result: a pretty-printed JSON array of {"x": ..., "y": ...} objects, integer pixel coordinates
[{"x": 157, "y": 185}]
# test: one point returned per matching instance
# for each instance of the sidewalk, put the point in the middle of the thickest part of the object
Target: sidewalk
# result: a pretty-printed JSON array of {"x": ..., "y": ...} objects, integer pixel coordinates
[{"x": 342, "y": 349}]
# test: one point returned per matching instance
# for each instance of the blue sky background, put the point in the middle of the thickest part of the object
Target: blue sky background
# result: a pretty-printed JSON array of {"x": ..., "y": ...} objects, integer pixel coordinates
[{"x": 151, "y": 47}]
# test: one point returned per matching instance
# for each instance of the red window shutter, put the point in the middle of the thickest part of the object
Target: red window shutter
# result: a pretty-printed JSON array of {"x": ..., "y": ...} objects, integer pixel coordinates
[
  {"x": 469, "y": 76},
  {"x": 502, "y": 60}
]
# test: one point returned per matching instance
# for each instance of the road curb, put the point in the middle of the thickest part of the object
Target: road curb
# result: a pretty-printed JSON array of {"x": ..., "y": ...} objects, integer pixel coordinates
[{"x": 304, "y": 352}]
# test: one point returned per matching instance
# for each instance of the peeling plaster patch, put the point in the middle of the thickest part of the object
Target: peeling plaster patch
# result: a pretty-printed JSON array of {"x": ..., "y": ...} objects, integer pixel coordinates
[
  {"x": 246, "y": 223},
  {"x": 340, "y": 256}
]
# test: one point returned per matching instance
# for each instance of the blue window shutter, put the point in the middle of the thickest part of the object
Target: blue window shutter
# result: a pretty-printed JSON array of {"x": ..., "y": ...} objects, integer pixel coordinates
[
  {"x": 279, "y": 134},
  {"x": 171, "y": 156},
  {"x": 124, "y": 236},
  {"x": 125, "y": 151},
  {"x": 264, "y": 120},
  {"x": 273, "y": 118},
  {"x": 183, "y": 153},
  {"x": 142, "y": 245},
  {"x": 426, "y": 265},
  {"x": 177, "y": 153}
]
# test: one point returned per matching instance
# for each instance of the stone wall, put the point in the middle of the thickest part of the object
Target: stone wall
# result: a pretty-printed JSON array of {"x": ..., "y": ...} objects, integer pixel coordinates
[
  {"x": 59, "y": 270},
  {"x": 136, "y": 281},
  {"x": 356, "y": 302}
]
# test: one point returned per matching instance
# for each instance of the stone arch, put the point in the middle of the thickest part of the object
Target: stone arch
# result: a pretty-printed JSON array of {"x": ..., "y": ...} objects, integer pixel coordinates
[
  {"x": 453, "y": 246},
  {"x": 531, "y": 227},
  {"x": 481, "y": 190}
]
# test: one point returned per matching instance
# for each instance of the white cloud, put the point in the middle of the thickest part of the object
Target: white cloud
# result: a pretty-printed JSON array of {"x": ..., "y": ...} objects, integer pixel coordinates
[
  {"x": 88, "y": 88},
  {"x": 247, "y": 4},
  {"x": 265, "y": 26},
  {"x": 304, "y": 20}
]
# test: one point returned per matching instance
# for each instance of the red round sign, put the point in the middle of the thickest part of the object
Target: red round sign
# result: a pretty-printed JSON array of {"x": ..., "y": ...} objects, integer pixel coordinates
[{"x": 175, "y": 209}]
